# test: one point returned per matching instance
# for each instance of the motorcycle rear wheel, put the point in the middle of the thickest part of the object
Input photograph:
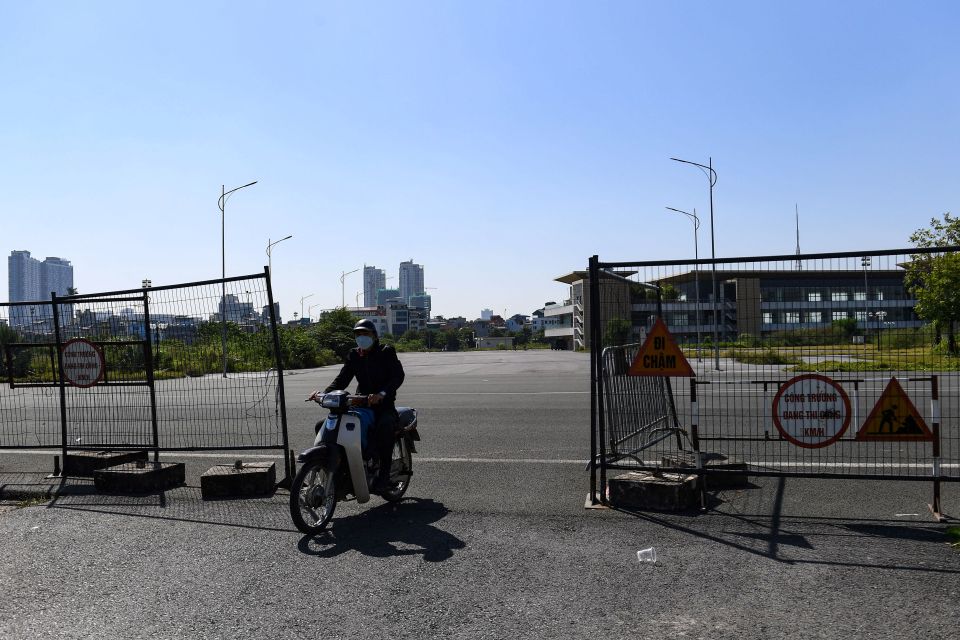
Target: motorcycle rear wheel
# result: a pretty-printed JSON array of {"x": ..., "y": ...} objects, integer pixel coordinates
[
  {"x": 401, "y": 470},
  {"x": 312, "y": 498}
]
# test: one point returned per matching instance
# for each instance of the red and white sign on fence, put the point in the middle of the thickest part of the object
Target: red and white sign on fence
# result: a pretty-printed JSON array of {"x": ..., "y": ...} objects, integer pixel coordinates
[
  {"x": 811, "y": 411},
  {"x": 83, "y": 363}
]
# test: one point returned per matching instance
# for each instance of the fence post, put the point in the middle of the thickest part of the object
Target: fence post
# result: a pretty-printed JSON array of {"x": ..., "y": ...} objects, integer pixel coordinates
[
  {"x": 63, "y": 391},
  {"x": 282, "y": 399},
  {"x": 593, "y": 393},
  {"x": 597, "y": 452},
  {"x": 148, "y": 365},
  {"x": 935, "y": 414},
  {"x": 695, "y": 440}
]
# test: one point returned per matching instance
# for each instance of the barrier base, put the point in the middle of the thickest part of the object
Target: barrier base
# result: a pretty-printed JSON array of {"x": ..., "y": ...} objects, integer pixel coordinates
[
  {"x": 140, "y": 477},
  {"x": 237, "y": 481},
  {"x": 654, "y": 491},
  {"x": 86, "y": 463}
]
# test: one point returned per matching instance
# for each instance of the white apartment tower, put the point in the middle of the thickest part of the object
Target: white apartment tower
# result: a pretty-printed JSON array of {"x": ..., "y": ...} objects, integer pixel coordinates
[
  {"x": 373, "y": 280},
  {"x": 411, "y": 280},
  {"x": 29, "y": 279}
]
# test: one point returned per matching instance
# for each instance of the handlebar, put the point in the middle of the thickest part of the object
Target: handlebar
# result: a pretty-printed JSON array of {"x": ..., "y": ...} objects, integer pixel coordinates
[{"x": 355, "y": 400}]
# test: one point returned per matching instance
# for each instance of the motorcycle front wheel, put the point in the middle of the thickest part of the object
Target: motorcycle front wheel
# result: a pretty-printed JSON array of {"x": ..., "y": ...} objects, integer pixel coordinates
[
  {"x": 401, "y": 470},
  {"x": 312, "y": 498}
]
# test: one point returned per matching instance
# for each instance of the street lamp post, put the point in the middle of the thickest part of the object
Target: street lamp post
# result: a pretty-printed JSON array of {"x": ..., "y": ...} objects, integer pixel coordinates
[
  {"x": 222, "y": 203},
  {"x": 879, "y": 315},
  {"x": 696, "y": 270},
  {"x": 310, "y": 310},
  {"x": 712, "y": 178},
  {"x": 301, "y": 305},
  {"x": 343, "y": 295},
  {"x": 270, "y": 251},
  {"x": 865, "y": 262}
]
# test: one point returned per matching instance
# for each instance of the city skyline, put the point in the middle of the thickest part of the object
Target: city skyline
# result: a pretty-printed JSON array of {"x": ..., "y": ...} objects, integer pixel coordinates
[
  {"x": 28, "y": 278},
  {"x": 499, "y": 144}
]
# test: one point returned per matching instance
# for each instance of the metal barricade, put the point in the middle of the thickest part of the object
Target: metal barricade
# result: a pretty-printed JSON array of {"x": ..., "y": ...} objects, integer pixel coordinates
[
  {"x": 184, "y": 367},
  {"x": 803, "y": 365}
]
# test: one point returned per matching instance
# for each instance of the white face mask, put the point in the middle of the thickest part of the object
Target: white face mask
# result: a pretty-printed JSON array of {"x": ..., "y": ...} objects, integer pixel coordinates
[{"x": 364, "y": 342}]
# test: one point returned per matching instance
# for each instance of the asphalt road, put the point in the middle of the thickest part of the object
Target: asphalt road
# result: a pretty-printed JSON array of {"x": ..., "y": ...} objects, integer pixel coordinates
[{"x": 493, "y": 541}]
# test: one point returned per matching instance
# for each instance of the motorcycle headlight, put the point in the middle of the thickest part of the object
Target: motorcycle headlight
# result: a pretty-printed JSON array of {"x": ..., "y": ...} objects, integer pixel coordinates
[{"x": 335, "y": 400}]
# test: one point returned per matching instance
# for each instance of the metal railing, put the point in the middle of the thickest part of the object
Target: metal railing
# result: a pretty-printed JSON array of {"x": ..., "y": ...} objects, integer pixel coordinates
[
  {"x": 901, "y": 415},
  {"x": 159, "y": 384}
]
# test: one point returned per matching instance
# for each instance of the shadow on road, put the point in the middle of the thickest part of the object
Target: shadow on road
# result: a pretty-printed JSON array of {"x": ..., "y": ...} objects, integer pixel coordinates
[
  {"x": 397, "y": 529},
  {"x": 180, "y": 504},
  {"x": 787, "y": 538}
]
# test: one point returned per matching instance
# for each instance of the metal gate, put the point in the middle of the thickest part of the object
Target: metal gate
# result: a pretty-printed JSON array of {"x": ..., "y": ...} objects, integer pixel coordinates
[
  {"x": 29, "y": 398},
  {"x": 804, "y": 365},
  {"x": 185, "y": 367}
]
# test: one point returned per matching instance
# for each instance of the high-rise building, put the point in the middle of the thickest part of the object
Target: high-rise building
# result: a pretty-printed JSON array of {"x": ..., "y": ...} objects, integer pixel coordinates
[
  {"x": 56, "y": 275},
  {"x": 411, "y": 280},
  {"x": 373, "y": 280},
  {"x": 386, "y": 295},
  {"x": 30, "y": 280},
  {"x": 422, "y": 302},
  {"x": 23, "y": 277}
]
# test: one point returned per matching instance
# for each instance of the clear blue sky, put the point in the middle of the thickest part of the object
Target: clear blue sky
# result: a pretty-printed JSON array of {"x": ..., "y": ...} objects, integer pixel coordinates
[{"x": 499, "y": 144}]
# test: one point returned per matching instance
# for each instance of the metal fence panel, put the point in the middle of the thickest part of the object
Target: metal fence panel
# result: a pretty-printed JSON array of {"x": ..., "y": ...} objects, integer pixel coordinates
[
  {"x": 29, "y": 398},
  {"x": 847, "y": 320},
  {"x": 167, "y": 381}
]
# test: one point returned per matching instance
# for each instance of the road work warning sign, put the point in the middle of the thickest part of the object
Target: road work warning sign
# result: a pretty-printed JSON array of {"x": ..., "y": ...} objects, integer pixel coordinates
[
  {"x": 894, "y": 418},
  {"x": 660, "y": 356}
]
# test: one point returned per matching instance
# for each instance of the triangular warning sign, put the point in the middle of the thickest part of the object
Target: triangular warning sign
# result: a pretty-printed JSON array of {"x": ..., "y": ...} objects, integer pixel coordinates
[
  {"x": 894, "y": 418},
  {"x": 660, "y": 356}
]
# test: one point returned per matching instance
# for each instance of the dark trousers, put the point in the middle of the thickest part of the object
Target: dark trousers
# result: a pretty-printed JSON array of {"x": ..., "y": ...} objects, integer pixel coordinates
[{"x": 382, "y": 438}]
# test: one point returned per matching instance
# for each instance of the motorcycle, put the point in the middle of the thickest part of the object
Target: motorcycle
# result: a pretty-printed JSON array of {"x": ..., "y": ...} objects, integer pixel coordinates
[{"x": 338, "y": 464}]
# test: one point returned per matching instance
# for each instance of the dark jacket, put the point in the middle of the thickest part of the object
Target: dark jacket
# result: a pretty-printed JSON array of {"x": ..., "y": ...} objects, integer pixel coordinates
[{"x": 376, "y": 370}]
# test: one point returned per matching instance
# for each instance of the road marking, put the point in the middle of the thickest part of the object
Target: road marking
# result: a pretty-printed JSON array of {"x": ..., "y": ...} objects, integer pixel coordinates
[
  {"x": 760, "y": 466},
  {"x": 494, "y": 393},
  {"x": 504, "y": 460},
  {"x": 649, "y": 463},
  {"x": 261, "y": 456},
  {"x": 863, "y": 465}
]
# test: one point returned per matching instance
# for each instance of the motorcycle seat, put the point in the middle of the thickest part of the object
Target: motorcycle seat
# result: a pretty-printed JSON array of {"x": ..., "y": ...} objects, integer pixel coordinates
[{"x": 408, "y": 417}]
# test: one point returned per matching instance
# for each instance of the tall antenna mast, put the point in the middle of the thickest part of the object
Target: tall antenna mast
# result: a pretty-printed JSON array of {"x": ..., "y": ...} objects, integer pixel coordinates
[{"x": 796, "y": 210}]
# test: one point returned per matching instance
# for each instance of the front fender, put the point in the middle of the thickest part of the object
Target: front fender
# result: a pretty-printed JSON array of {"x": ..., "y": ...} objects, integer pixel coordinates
[{"x": 324, "y": 453}]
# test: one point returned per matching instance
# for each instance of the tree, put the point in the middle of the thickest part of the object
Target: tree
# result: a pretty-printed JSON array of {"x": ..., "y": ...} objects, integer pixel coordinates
[
  {"x": 20, "y": 357},
  {"x": 524, "y": 335},
  {"x": 670, "y": 292},
  {"x": 937, "y": 290},
  {"x": 934, "y": 280},
  {"x": 334, "y": 331},
  {"x": 449, "y": 340},
  {"x": 846, "y": 326},
  {"x": 617, "y": 332}
]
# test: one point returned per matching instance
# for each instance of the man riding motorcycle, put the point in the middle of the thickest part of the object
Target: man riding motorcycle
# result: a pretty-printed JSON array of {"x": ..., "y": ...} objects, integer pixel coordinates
[{"x": 379, "y": 374}]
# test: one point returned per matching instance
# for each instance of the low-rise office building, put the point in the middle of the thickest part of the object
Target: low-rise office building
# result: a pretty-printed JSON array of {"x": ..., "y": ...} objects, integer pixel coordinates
[{"x": 754, "y": 302}]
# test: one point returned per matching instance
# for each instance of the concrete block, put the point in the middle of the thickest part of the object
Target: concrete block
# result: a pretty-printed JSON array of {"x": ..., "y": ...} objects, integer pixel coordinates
[
  {"x": 233, "y": 481},
  {"x": 657, "y": 492},
  {"x": 84, "y": 463},
  {"x": 140, "y": 477},
  {"x": 732, "y": 473}
]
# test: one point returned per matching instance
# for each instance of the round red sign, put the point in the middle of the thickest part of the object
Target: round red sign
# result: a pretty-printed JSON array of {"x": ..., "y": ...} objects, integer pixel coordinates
[
  {"x": 83, "y": 363},
  {"x": 811, "y": 411}
]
